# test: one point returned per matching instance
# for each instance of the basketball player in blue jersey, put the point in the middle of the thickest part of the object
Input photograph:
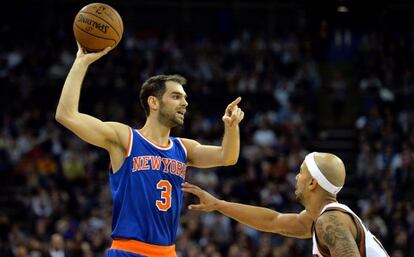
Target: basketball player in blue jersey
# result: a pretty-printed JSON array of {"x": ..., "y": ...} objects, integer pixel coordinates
[
  {"x": 335, "y": 229},
  {"x": 148, "y": 166}
]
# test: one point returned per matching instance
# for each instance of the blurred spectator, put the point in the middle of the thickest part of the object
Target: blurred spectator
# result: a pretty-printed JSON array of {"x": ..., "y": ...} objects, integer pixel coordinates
[{"x": 56, "y": 247}]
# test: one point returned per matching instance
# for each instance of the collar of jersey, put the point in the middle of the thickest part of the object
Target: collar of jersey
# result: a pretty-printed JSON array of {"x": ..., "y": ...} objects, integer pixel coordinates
[{"x": 170, "y": 143}]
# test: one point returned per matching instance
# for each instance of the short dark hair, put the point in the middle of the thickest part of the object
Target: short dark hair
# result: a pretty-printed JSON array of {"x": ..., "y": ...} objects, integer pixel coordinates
[{"x": 155, "y": 86}]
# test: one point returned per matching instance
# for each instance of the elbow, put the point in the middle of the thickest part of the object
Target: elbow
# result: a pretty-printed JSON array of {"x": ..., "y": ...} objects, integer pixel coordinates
[
  {"x": 62, "y": 117},
  {"x": 59, "y": 117},
  {"x": 230, "y": 162}
]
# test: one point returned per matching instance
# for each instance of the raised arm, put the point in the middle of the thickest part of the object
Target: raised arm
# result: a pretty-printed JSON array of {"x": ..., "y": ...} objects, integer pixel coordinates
[
  {"x": 111, "y": 136},
  {"x": 292, "y": 225},
  {"x": 205, "y": 156}
]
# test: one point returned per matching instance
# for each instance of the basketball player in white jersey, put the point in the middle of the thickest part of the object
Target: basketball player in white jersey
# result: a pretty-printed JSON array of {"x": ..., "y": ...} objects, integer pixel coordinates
[{"x": 334, "y": 228}]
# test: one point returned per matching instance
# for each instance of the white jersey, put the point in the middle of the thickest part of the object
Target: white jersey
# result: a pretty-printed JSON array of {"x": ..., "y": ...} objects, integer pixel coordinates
[{"x": 368, "y": 245}]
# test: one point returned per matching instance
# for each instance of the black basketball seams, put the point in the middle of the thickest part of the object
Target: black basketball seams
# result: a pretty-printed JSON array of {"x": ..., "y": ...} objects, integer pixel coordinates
[
  {"x": 109, "y": 24},
  {"x": 81, "y": 29}
]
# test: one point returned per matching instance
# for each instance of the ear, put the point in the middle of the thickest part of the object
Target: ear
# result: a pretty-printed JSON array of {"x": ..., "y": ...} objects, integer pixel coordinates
[
  {"x": 153, "y": 103},
  {"x": 312, "y": 184}
]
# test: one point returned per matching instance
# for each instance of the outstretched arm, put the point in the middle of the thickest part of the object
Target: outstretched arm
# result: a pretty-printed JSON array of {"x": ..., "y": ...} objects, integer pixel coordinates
[
  {"x": 205, "y": 156},
  {"x": 108, "y": 135},
  {"x": 292, "y": 225}
]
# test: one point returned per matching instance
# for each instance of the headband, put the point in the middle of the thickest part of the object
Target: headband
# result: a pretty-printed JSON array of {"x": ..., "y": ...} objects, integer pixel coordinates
[{"x": 317, "y": 174}]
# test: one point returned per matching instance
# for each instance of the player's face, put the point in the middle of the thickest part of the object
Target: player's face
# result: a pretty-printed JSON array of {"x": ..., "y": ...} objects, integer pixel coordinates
[
  {"x": 301, "y": 181},
  {"x": 173, "y": 105}
]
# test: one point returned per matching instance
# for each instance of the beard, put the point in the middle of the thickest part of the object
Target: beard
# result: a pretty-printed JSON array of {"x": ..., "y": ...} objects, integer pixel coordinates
[
  {"x": 169, "y": 119},
  {"x": 299, "y": 197}
]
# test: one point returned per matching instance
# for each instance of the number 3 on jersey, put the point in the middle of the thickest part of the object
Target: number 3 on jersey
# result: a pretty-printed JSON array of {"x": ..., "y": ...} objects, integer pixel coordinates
[{"x": 165, "y": 203}]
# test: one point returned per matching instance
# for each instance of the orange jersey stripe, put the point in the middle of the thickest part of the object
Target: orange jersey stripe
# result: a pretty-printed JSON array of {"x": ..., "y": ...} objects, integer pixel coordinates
[{"x": 142, "y": 248}]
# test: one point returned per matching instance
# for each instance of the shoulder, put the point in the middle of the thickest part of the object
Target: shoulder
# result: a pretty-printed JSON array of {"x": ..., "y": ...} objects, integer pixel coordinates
[
  {"x": 118, "y": 126},
  {"x": 330, "y": 220},
  {"x": 305, "y": 219},
  {"x": 189, "y": 143},
  {"x": 123, "y": 132},
  {"x": 332, "y": 227}
]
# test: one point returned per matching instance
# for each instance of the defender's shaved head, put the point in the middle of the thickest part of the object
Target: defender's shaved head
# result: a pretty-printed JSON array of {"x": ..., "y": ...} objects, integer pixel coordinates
[{"x": 331, "y": 167}]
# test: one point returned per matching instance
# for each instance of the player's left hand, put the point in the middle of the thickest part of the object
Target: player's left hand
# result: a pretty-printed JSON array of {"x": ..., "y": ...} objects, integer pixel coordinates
[
  {"x": 233, "y": 114},
  {"x": 207, "y": 203}
]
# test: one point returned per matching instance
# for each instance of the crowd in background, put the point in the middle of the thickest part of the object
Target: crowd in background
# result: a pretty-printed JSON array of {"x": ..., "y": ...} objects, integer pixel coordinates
[
  {"x": 385, "y": 161},
  {"x": 54, "y": 191}
]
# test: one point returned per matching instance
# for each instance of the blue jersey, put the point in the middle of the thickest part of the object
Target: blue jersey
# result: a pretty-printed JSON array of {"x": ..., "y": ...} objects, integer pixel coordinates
[{"x": 146, "y": 191}]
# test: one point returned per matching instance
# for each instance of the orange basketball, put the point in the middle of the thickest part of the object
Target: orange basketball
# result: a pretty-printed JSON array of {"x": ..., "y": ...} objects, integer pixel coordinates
[{"x": 98, "y": 26}]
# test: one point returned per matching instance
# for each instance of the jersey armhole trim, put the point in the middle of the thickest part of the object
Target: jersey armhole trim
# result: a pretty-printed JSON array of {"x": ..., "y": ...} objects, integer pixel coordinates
[
  {"x": 184, "y": 147},
  {"x": 128, "y": 149}
]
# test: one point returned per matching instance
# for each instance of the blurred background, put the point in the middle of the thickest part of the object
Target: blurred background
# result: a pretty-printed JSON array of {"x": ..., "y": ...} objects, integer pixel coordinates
[{"x": 333, "y": 76}]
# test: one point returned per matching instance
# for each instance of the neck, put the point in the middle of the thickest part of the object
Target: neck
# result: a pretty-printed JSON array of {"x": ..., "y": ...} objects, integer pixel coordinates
[
  {"x": 317, "y": 203},
  {"x": 155, "y": 131}
]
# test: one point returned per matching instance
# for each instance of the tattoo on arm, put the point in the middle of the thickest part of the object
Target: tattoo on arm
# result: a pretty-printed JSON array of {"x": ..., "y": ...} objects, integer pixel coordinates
[{"x": 336, "y": 236}]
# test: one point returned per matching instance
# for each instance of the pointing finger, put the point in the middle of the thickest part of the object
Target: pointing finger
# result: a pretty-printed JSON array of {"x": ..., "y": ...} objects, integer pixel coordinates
[{"x": 235, "y": 102}]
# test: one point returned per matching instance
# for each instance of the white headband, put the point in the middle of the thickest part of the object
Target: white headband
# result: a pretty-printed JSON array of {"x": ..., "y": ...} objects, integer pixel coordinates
[{"x": 317, "y": 174}]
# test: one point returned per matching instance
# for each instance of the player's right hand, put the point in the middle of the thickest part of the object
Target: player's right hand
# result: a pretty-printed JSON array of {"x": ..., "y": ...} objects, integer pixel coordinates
[
  {"x": 88, "y": 58},
  {"x": 207, "y": 203}
]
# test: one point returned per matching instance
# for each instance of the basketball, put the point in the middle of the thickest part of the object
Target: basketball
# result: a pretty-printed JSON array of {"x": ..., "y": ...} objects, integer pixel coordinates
[{"x": 98, "y": 26}]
